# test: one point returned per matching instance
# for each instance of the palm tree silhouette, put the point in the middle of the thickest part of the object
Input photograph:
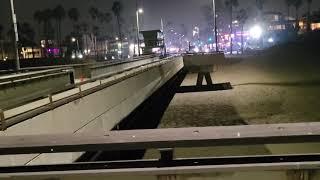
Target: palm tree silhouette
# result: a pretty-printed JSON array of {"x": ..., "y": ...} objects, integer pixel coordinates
[
  {"x": 289, "y": 3},
  {"x": 242, "y": 17},
  {"x": 309, "y": 15},
  {"x": 38, "y": 17},
  {"x": 59, "y": 14},
  {"x": 74, "y": 14},
  {"x": 297, "y": 4},
  {"x": 117, "y": 9},
  {"x": 1, "y": 41},
  {"x": 231, "y": 4},
  {"x": 47, "y": 16}
]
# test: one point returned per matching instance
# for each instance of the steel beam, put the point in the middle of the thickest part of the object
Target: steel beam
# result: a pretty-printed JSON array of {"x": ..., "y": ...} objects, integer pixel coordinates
[
  {"x": 176, "y": 166},
  {"x": 162, "y": 138}
]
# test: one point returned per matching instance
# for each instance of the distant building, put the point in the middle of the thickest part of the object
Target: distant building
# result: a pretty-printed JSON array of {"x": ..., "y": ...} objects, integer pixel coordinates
[
  {"x": 276, "y": 21},
  {"x": 315, "y": 23},
  {"x": 153, "y": 42},
  {"x": 117, "y": 50},
  {"x": 30, "y": 52}
]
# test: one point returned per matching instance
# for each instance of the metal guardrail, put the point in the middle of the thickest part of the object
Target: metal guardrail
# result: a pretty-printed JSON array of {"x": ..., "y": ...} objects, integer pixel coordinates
[
  {"x": 162, "y": 138},
  {"x": 113, "y": 62},
  {"x": 169, "y": 139},
  {"x": 31, "y": 75},
  {"x": 15, "y": 89}
]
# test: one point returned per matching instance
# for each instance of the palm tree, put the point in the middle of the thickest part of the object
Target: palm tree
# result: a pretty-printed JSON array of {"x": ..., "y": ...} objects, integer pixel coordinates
[
  {"x": 242, "y": 17},
  {"x": 59, "y": 15},
  {"x": 93, "y": 12},
  {"x": 231, "y": 4},
  {"x": 1, "y": 30},
  {"x": 309, "y": 15},
  {"x": 74, "y": 14},
  {"x": 289, "y": 4},
  {"x": 297, "y": 4},
  {"x": 38, "y": 17},
  {"x": 117, "y": 9},
  {"x": 47, "y": 16},
  {"x": 1, "y": 41},
  {"x": 260, "y": 4},
  {"x": 84, "y": 29}
]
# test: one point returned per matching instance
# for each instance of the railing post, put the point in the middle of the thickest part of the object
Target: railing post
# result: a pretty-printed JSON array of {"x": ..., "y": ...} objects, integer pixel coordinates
[
  {"x": 50, "y": 101},
  {"x": 3, "y": 121},
  {"x": 80, "y": 91}
]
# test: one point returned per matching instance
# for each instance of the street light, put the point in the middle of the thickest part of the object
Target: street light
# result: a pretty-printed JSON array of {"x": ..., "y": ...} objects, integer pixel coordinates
[
  {"x": 256, "y": 32},
  {"x": 15, "y": 27},
  {"x": 75, "y": 40},
  {"x": 139, "y": 11}
]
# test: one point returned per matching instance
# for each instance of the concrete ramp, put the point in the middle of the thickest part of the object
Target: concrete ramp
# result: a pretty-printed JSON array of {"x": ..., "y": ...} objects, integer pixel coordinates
[{"x": 95, "y": 106}]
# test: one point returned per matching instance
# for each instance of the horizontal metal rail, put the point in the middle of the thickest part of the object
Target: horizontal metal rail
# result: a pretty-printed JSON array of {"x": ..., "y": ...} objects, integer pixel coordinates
[
  {"x": 28, "y": 69},
  {"x": 290, "y": 162},
  {"x": 31, "y": 75},
  {"x": 162, "y": 138}
]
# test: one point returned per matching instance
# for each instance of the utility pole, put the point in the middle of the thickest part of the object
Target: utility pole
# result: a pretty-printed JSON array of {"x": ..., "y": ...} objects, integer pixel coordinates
[
  {"x": 15, "y": 28},
  {"x": 138, "y": 26},
  {"x": 215, "y": 23},
  {"x": 164, "y": 36}
]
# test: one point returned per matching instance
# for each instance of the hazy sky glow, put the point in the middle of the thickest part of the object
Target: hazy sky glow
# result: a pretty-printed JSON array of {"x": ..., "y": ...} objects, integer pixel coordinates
[{"x": 178, "y": 11}]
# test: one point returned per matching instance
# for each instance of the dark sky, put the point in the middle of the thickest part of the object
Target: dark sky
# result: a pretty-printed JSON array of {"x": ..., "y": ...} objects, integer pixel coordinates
[{"x": 177, "y": 11}]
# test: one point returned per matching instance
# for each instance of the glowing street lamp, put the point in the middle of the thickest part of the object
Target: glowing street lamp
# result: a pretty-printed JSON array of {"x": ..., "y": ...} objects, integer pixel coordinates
[
  {"x": 75, "y": 40},
  {"x": 139, "y": 11},
  {"x": 256, "y": 32}
]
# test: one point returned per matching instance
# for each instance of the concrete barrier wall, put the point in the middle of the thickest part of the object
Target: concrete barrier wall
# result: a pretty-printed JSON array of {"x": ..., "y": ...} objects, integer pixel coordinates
[
  {"x": 102, "y": 70},
  {"x": 99, "y": 111},
  {"x": 203, "y": 62},
  {"x": 22, "y": 88}
]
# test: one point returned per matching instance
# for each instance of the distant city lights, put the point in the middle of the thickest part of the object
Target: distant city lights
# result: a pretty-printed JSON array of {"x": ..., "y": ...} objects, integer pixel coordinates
[
  {"x": 256, "y": 32},
  {"x": 271, "y": 40},
  {"x": 80, "y": 56}
]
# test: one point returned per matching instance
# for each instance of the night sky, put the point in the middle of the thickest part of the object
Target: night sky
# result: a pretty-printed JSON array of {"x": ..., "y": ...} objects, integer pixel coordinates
[{"x": 177, "y": 11}]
